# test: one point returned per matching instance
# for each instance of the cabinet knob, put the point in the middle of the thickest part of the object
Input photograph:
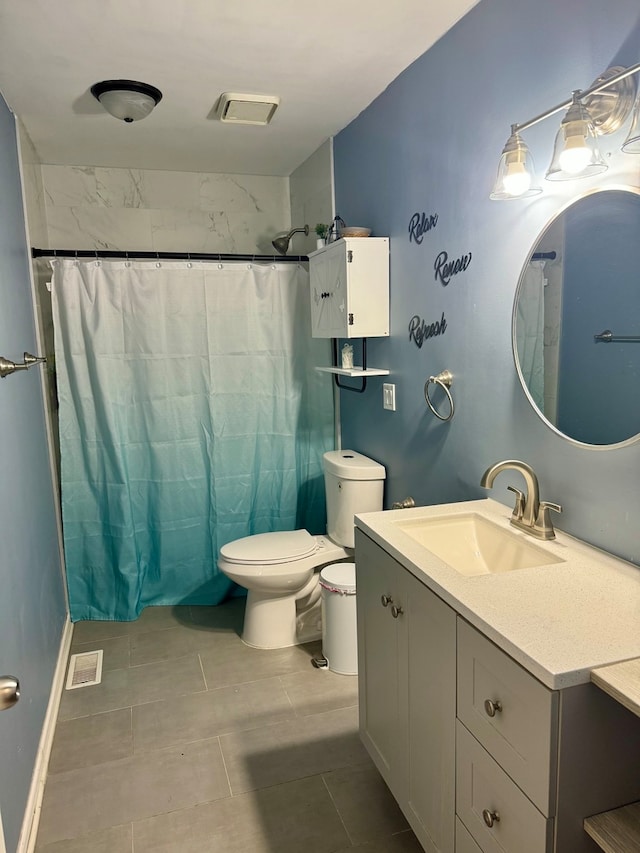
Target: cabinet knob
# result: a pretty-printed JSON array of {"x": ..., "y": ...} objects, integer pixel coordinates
[
  {"x": 490, "y": 817},
  {"x": 386, "y": 600},
  {"x": 396, "y": 611},
  {"x": 492, "y": 707}
]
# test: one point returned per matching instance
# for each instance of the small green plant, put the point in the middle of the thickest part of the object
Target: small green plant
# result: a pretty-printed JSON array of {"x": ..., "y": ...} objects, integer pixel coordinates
[{"x": 322, "y": 230}]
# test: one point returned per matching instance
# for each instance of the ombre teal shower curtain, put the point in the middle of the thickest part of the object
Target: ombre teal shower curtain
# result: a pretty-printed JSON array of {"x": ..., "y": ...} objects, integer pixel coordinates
[{"x": 190, "y": 415}]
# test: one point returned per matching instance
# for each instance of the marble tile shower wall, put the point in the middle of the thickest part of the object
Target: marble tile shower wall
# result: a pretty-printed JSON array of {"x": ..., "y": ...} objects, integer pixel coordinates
[
  {"x": 312, "y": 196},
  {"x": 135, "y": 209}
]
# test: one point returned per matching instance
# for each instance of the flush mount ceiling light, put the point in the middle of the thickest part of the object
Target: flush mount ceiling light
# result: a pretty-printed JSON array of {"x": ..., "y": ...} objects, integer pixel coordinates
[
  {"x": 602, "y": 108},
  {"x": 246, "y": 109},
  {"x": 127, "y": 100}
]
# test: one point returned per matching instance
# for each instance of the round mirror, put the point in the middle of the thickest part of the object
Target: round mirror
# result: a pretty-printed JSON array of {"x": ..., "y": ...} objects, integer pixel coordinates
[{"x": 576, "y": 320}]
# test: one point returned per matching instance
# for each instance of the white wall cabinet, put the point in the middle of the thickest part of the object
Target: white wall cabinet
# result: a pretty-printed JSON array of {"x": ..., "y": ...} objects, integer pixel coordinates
[
  {"x": 349, "y": 282},
  {"x": 406, "y": 646},
  {"x": 479, "y": 754}
]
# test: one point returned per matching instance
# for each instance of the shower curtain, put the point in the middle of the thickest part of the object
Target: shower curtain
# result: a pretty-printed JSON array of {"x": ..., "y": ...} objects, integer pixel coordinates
[
  {"x": 190, "y": 415},
  {"x": 530, "y": 330}
]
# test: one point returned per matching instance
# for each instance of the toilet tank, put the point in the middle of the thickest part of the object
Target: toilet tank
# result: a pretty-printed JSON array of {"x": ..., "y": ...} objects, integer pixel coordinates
[{"x": 353, "y": 483}]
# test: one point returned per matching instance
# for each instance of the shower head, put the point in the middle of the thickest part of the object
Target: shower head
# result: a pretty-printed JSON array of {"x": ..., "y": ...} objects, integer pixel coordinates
[{"x": 281, "y": 244}]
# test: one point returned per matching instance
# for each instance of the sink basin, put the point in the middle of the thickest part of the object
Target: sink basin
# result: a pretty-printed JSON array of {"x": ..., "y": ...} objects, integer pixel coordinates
[{"x": 473, "y": 545}]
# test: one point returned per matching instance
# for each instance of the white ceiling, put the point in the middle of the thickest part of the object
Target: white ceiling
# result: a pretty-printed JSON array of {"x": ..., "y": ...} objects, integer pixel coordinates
[{"x": 326, "y": 61}]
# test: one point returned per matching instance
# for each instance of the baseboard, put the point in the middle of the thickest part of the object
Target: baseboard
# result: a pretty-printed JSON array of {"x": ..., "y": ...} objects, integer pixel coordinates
[
  {"x": 3, "y": 849},
  {"x": 31, "y": 820}
]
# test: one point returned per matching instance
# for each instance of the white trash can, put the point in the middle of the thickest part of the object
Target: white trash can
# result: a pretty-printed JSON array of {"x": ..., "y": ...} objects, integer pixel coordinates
[{"x": 339, "y": 627}]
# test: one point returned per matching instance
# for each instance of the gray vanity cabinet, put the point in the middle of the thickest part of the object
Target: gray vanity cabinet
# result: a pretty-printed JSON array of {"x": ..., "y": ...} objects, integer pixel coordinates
[
  {"x": 479, "y": 754},
  {"x": 407, "y": 666}
]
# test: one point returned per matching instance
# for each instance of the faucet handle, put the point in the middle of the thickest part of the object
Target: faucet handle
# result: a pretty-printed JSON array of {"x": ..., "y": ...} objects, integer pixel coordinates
[
  {"x": 518, "y": 509},
  {"x": 543, "y": 522}
]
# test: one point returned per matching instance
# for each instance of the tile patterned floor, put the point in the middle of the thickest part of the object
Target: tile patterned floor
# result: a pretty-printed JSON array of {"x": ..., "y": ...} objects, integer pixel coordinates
[{"x": 195, "y": 742}]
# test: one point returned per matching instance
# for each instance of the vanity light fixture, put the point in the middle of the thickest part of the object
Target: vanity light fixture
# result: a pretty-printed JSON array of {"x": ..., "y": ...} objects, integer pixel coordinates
[
  {"x": 516, "y": 172},
  {"x": 598, "y": 110},
  {"x": 576, "y": 153},
  {"x": 127, "y": 100}
]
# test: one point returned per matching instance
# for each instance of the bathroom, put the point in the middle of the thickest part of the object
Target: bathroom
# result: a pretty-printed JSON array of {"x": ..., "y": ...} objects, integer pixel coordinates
[{"x": 429, "y": 144}]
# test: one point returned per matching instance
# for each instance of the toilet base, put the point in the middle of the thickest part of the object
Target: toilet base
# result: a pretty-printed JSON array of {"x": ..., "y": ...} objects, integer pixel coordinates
[{"x": 269, "y": 621}]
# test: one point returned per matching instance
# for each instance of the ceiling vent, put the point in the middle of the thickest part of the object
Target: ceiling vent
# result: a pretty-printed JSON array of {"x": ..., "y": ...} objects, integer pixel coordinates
[{"x": 246, "y": 109}]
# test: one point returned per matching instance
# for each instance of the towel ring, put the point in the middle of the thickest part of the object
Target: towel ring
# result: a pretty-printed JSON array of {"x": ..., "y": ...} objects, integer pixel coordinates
[{"x": 444, "y": 380}]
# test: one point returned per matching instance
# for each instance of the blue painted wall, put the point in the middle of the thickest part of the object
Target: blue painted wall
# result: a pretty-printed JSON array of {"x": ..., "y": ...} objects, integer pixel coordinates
[
  {"x": 32, "y": 603},
  {"x": 431, "y": 142}
]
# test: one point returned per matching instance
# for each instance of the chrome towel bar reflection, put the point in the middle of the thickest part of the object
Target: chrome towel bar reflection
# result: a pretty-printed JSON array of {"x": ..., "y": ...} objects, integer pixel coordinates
[
  {"x": 7, "y": 367},
  {"x": 607, "y": 337},
  {"x": 444, "y": 380}
]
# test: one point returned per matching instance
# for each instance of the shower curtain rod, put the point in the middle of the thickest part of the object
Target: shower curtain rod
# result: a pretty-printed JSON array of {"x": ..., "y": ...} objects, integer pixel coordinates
[{"x": 163, "y": 256}]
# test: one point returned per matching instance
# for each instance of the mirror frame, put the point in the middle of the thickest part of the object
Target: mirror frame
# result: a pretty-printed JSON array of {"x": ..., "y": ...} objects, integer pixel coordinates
[{"x": 634, "y": 439}]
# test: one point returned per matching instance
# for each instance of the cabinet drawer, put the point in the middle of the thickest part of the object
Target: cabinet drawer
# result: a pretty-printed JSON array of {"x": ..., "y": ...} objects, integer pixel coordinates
[
  {"x": 464, "y": 842},
  {"x": 520, "y": 730},
  {"x": 482, "y": 786}
]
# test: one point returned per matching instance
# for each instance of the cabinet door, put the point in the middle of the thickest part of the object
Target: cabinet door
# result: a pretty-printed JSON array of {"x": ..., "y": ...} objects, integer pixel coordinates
[
  {"x": 431, "y": 716},
  {"x": 407, "y": 680},
  {"x": 522, "y": 734},
  {"x": 380, "y": 661},
  {"x": 464, "y": 842},
  {"x": 328, "y": 278},
  {"x": 492, "y": 807}
]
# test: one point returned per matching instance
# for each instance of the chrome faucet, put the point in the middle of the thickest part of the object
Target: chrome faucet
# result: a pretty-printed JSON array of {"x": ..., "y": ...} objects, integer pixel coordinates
[{"x": 530, "y": 514}]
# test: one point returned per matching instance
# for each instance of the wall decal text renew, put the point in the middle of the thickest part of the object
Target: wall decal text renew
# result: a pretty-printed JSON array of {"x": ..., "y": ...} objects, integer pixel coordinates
[{"x": 446, "y": 269}]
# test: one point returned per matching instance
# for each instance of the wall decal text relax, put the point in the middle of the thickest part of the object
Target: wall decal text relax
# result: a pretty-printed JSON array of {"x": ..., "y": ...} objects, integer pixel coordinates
[{"x": 419, "y": 224}]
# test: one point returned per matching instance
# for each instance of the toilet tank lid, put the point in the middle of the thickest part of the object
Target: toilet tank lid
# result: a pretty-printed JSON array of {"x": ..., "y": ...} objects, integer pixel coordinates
[
  {"x": 352, "y": 466},
  {"x": 269, "y": 548}
]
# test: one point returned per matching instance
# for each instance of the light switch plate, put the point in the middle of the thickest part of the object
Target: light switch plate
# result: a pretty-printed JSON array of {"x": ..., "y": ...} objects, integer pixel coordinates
[{"x": 389, "y": 396}]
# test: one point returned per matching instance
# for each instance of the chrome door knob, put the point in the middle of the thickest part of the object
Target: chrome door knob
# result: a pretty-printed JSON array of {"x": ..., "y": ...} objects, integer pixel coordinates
[
  {"x": 9, "y": 691},
  {"x": 396, "y": 611},
  {"x": 492, "y": 707},
  {"x": 490, "y": 817},
  {"x": 386, "y": 600}
]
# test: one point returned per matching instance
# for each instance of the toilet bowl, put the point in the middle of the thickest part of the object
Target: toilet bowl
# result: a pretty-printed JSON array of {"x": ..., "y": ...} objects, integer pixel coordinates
[{"x": 280, "y": 570}]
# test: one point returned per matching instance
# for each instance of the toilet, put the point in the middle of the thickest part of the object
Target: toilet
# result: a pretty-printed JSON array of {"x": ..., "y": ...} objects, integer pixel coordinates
[{"x": 281, "y": 570}]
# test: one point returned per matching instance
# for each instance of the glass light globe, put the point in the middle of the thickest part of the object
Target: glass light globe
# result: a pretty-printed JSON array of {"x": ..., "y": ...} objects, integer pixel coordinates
[
  {"x": 576, "y": 153},
  {"x": 516, "y": 176}
]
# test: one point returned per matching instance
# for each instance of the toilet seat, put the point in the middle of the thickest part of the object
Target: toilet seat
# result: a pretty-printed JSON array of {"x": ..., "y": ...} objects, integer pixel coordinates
[{"x": 269, "y": 549}]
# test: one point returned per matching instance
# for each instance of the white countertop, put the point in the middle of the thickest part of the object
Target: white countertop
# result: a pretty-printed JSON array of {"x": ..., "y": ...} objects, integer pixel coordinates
[{"x": 559, "y": 621}]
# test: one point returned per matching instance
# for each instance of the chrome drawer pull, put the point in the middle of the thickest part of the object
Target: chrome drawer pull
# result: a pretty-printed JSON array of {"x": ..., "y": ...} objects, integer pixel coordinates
[
  {"x": 386, "y": 600},
  {"x": 490, "y": 817},
  {"x": 492, "y": 707},
  {"x": 396, "y": 611}
]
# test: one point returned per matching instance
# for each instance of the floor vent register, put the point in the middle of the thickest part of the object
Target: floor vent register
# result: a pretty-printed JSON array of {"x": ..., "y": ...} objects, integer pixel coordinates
[{"x": 85, "y": 669}]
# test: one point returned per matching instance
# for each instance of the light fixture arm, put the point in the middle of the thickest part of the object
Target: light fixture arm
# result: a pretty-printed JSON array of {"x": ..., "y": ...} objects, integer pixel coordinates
[{"x": 582, "y": 94}]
